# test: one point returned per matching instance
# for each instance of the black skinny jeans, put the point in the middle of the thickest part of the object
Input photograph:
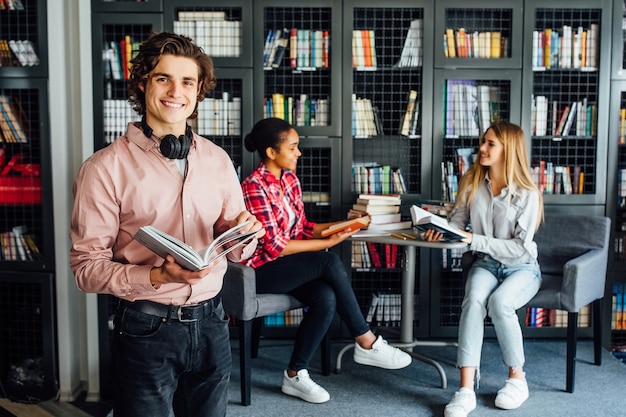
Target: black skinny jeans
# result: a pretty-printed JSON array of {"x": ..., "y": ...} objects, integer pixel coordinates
[{"x": 320, "y": 281}]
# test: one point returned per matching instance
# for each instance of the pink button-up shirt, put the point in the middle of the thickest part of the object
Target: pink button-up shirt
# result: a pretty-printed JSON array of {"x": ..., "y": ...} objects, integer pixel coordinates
[{"x": 130, "y": 184}]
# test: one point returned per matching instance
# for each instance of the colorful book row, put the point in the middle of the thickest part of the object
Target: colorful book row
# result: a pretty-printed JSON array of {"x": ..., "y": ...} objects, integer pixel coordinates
[
  {"x": 580, "y": 118},
  {"x": 367, "y": 255},
  {"x": 12, "y": 121},
  {"x": 460, "y": 43},
  {"x": 373, "y": 178},
  {"x": 305, "y": 49},
  {"x": 547, "y": 317},
  {"x": 17, "y": 53},
  {"x": 618, "y": 309},
  {"x": 556, "y": 179},
  {"x": 566, "y": 48},
  {"x": 302, "y": 111},
  {"x": 17, "y": 245}
]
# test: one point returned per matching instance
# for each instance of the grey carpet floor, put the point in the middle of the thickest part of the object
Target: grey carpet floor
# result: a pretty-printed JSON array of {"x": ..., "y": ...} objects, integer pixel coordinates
[{"x": 415, "y": 391}]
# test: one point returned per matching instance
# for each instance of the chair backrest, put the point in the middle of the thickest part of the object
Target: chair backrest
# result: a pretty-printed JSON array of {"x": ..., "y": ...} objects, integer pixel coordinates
[
  {"x": 573, "y": 256},
  {"x": 562, "y": 237},
  {"x": 241, "y": 300}
]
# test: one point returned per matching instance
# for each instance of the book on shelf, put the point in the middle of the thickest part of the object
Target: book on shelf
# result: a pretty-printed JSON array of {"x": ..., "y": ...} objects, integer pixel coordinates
[
  {"x": 163, "y": 244},
  {"x": 411, "y": 112},
  {"x": 424, "y": 220},
  {"x": 279, "y": 49},
  {"x": 384, "y": 309},
  {"x": 412, "y": 51},
  {"x": 353, "y": 224}
]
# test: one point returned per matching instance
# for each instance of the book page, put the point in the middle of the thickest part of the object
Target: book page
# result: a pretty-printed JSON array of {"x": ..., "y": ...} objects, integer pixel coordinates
[
  {"x": 424, "y": 220},
  {"x": 163, "y": 244},
  {"x": 227, "y": 242}
]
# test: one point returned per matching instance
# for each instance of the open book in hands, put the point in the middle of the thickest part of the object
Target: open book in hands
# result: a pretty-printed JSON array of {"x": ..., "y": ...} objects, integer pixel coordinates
[
  {"x": 163, "y": 244},
  {"x": 424, "y": 220},
  {"x": 353, "y": 224}
]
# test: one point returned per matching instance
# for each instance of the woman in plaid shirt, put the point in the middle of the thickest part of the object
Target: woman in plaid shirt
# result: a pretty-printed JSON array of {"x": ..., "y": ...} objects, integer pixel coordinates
[{"x": 292, "y": 259}]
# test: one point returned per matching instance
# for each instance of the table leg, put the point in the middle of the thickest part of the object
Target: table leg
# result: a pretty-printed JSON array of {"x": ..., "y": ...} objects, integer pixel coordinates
[{"x": 407, "y": 341}]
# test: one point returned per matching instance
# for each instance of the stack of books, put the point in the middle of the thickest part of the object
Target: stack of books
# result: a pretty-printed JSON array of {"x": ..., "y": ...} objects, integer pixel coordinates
[{"x": 383, "y": 210}]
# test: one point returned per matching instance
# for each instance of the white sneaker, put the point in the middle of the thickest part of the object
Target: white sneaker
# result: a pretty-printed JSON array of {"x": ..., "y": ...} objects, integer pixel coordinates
[
  {"x": 382, "y": 355},
  {"x": 513, "y": 394},
  {"x": 302, "y": 386},
  {"x": 462, "y": 403}
]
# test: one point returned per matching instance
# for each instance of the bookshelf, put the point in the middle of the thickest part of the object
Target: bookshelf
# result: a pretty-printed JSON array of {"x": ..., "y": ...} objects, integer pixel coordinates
[
  {"x": 615, "y": 338},
  {"x": 385, "y": 76},
  {"x": 26, "y": 239},
  {"x": 386, "y": 127},
  {"x": 569, "y": 80},
  {"x": 481, "y": 36},
  {"x": 114, "y": 33},
  {"x": 304, "y": 87}
]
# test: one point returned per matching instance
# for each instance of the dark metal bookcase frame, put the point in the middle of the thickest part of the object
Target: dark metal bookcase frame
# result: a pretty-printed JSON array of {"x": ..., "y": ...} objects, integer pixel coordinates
[
  {"x": 616, "y": 161},
  {"x": 27, "y": 308},
  {"x": 447, "y": 287},
  {"x": 387, "y": 86}
]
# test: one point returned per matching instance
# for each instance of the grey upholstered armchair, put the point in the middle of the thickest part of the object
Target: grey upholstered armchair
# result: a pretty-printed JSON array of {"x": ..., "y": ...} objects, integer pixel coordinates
[
  {"x": 573, "y": 254},
  {"x": 241, "y": 301}
]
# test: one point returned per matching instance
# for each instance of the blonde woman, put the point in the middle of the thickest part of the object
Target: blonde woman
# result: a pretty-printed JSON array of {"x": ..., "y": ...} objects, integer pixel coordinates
[{"x": 499, "y": 201}]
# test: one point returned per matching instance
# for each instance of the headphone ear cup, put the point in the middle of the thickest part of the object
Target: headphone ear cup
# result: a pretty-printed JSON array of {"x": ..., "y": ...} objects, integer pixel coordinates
[
  {"x": 170, "y": 146},
  {"x": 185, "y": 145}
]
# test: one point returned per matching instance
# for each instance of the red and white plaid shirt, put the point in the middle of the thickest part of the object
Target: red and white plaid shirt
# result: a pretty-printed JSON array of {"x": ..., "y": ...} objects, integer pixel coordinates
[{"x": 265, "y": 196}]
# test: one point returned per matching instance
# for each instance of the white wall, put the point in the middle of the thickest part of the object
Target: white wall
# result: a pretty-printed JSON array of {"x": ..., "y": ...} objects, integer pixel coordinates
[{"x": 71, "y": 124}]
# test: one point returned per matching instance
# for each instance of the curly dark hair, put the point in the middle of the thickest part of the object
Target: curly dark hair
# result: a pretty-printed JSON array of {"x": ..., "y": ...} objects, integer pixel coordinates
[{"x": 151, "y": 50}]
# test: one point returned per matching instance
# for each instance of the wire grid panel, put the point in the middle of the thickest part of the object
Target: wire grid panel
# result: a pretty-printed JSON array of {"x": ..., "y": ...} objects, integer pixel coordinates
[
  {"x": 219, "y": 117},
  {"x": 314, "y": 170},
  {"x": 397, "y": 152},
  {"x": 481, "y": 20},
  {"x": 23, "y": 208},
  {"x": 390, "y": 28},
  {"x": 217, "y": 30},
  {"x": 21, "y": 25},
  {"x": 27, "y": 362},
  {"x": 307, "y": 81},
  {"x": 368, "y": 282},
  {"x": 497, "y": 107},
  {"x": 120, "y": 43}
]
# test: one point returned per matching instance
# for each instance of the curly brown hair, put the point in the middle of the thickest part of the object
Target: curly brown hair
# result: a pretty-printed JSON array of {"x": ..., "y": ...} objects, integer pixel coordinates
[{"x": 151, "y": 50}]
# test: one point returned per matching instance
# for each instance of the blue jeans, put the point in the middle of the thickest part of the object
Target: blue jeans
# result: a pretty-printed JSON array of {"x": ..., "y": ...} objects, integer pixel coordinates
[
  {"x": 498, "y": 290},
  {"x": 319, "y": 280},
  {"x": 167, "y": 368}
]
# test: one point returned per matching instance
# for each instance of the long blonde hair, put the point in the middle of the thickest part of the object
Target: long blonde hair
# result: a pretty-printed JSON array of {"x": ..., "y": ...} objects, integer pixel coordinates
[{"x": 516, "y": 165}]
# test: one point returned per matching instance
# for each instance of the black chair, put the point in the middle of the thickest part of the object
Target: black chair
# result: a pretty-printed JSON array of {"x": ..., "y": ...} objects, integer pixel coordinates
[{"x": 240, "y": 300}]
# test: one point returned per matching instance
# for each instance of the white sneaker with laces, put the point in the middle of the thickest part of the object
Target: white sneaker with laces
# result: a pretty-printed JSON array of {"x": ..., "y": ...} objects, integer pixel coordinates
[
  {"x": 462, "y": 403},
  {"x": 382, "y": 355},
  {"x": 302, "y": 386},
  {"x": 513, "y": 394}
]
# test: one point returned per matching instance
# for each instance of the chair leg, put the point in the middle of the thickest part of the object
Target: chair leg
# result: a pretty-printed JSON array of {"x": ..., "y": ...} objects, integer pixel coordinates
[
  {"x": 572, "y": 329},
  {"x": 245, "y": 334},
  {"x": 257, "y": 326},
  {"x": 325, "y": 347},
  {"x": 597, "y": 332}
]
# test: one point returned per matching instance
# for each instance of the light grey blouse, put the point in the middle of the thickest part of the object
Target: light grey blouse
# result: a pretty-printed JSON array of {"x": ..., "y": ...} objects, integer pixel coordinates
[{"x": 502, "y": 227}]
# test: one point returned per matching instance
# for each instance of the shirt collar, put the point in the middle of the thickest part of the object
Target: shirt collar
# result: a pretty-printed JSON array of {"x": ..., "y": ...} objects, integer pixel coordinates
[
  {"x": 512, "y": 188},
  {"x": 270, "y": 178}
]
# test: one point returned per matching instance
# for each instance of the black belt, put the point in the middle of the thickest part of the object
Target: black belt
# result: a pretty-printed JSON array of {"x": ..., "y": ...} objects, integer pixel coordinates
[{"x": 184, "y": 313}]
